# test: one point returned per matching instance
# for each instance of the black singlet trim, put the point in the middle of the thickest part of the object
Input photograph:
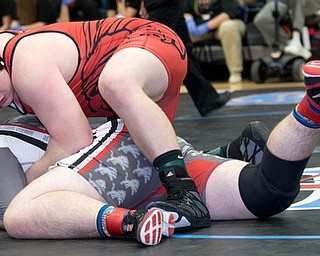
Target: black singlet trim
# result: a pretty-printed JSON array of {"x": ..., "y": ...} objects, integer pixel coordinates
[
  {"x": 39, "y": 32},
  {"x": 40, "y": 144}
]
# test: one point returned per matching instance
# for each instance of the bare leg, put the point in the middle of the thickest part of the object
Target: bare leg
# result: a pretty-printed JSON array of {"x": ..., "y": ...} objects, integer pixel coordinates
[
  {"x": 293, "y": 141},
  {"x": 223, "y": 198},
  {"x": 289, "y": 141},
  {"x": 132, "y": 93},
  {"x": 64, "y": 203},
  {"x": 61, "y": 204}
]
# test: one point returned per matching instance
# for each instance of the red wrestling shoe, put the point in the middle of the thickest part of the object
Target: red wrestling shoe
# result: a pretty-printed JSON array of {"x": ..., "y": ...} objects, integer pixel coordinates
[
  {"x": 148, "y": 226},
  {"x": 312, "y": 68},
  {"x": 307, "y": 111},
  {"x": 311, "y": 72}
]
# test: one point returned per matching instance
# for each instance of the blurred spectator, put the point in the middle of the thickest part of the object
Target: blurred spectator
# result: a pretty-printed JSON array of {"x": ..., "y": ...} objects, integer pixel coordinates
[
  {"x": 7, "y": 12},
  {"x": 219, "y": 19},
  {"x": 297, "y": 10},
  {"x": 123, "y": 8},
  {"x": 34, "y": 13},
  {"x": 203, "y": 94},
  {"x": 77, "y": 10}
]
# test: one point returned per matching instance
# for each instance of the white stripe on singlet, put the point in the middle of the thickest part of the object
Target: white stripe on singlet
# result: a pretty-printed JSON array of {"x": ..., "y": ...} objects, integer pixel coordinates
[
  {"x": 26, "y": 144},
  {"x": 103, "y": 136},
  {"x": 29, "y": 135}
]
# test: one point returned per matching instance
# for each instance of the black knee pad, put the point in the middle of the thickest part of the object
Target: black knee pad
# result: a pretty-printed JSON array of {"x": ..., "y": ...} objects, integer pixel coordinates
[{"x": 270, "y": 187}]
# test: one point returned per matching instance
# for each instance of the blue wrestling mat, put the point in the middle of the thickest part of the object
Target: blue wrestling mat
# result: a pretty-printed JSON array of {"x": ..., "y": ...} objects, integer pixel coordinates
[{"x": 293, "y": 232}]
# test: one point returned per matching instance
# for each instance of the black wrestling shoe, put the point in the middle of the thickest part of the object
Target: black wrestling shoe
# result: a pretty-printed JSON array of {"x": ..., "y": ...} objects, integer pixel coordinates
[
  {"x": 148, "y": 226},
  {"x": 212, "y": 104},
  {"x": 250, "y": 144},
  {"x": 190, "y": 211}
]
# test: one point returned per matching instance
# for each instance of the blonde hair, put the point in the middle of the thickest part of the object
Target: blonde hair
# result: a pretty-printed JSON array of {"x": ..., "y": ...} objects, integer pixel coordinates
[{"x": 26, "y": 11}]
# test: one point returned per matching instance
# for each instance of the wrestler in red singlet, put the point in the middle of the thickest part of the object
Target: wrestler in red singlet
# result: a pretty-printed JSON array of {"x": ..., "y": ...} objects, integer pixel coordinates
[{"x": 97, "y": 41}]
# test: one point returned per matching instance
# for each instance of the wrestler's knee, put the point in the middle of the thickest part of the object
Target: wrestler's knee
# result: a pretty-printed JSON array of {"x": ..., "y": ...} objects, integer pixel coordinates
[
  {"x": 15, "y": 217},
  {"x": 261, "y": 20},
  {"x": 262, "y": 197},
  {"x": 13, "y": 222},
  {"x": 112, "y": 84},
  {"x": 15, "y": 225}
]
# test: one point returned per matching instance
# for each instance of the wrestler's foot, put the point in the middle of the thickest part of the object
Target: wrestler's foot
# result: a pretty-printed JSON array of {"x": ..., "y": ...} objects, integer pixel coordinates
[
  {"x": 190, "y": 211},
  {"x": 311, "y": 72},
  {"x": 307, "y": 112},
  {"x": 148, "y": 226},
  {"x": 248, "y": 146}
]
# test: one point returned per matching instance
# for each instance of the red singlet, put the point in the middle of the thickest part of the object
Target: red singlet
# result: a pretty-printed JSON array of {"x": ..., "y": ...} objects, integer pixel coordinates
[{"x": 97, "y": 41}]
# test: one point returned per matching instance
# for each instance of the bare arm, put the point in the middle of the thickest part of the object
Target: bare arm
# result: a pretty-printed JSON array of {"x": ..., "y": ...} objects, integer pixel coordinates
[
  {"x": 34, "y": 25},
  {"x": 216, "y": 21},
  {"x": 111, "y": 13},
  {"x": 15, "y": 23},
  {"x": 131, "y": 12},
  {"x": 187, "y": 15},
  {"x": 6, "y": 22},
  {"x": 121, "y": 7},
  {"x": 66, "y": 137},
  {"x": 124, "y": 10},
  {"x": 40, "y": 79},
  {"x": 64, "y": 13}
]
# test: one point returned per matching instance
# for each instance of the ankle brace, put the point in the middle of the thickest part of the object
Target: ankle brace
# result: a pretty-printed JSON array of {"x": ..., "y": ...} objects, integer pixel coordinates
[{"x": 173, "y": 172}]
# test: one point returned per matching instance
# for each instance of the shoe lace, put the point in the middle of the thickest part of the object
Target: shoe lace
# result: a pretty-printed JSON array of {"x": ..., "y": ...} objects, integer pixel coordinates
[
  {"x": 177, "y": 197},
  {"x": 186, "y": 200}
]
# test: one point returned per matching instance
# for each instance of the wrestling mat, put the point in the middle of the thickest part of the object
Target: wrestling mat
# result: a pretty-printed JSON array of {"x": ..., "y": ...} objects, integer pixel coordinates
[{"x": 293, "y": 232}]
